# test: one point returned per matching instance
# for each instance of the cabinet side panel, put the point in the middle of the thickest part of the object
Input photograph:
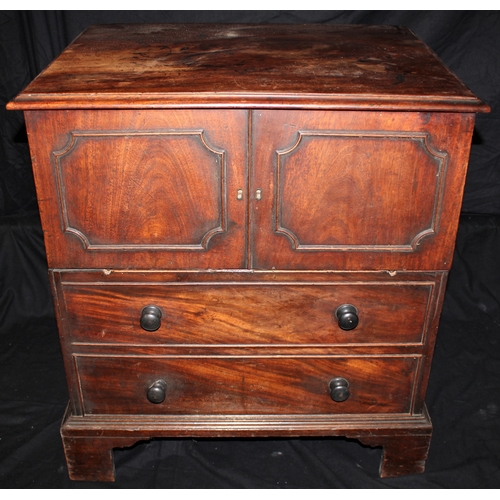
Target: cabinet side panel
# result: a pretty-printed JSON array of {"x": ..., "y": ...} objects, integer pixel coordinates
[{"x": 75, "y": 402}]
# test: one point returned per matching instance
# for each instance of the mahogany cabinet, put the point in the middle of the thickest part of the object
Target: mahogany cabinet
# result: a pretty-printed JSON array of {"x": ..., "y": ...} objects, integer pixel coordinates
[{"x": 248, "y": 230}]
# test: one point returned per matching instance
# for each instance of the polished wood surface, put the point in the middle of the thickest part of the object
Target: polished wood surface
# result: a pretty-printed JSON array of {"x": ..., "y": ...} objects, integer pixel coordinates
[
  {"x": 173, "y": 177},
  {"x": 357, "y": 190},
  {"x": 310, "y": 190},
  {"x": 222, "y": 314},
  {"x": 211, "y": 198},
  {"x": 245, "y": 385},
  {"x": 288, "y": 65},
  {"x": 88, "y": 441}
]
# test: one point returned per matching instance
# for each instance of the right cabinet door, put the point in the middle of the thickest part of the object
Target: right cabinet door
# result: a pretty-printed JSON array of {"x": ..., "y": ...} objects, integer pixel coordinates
[{"x": 356, "y": 190}]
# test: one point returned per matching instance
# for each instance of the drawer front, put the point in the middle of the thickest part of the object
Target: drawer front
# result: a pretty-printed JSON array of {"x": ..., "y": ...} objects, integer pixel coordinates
[
  {"x": 242, "y": 314},
  {"x": 252, "y": 385}
]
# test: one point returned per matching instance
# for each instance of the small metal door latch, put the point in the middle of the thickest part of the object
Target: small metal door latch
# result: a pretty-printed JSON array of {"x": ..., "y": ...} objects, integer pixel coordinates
[
  {"x": 239, "y": 194},
  {"x": 258, "y": 194}
]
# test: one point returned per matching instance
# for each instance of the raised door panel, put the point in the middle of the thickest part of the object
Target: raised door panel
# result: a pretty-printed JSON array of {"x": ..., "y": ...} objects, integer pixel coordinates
[
  {"x": 142, "y": 189},
  {"x": 350, "y": 190}
]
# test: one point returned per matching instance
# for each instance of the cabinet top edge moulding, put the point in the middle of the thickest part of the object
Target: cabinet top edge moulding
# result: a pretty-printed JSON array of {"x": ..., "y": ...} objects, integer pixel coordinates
[{"x": 301, "y": 66}]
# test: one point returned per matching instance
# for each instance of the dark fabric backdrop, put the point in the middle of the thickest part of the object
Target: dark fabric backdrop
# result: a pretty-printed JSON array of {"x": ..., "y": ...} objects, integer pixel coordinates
[{"x": 464, "y": 390}]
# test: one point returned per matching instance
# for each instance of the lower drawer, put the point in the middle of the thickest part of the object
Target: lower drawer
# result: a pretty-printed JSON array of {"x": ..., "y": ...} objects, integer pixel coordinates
[{"x": 246, "y": 385}]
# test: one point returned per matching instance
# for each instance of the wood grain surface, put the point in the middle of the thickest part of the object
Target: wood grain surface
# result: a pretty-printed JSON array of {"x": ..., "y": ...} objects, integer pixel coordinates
[
  {"x": 330, "y": 66},
  {"x": 249, "y": 314}
]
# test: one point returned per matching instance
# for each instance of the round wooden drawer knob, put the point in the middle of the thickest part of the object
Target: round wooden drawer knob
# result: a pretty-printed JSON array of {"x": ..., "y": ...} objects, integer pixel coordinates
[
  {"x": 151, "y": 318},
  {"x": 157, "y": 392},
  {"x": 339, "y": 389},
  {"x": 347, "y": 316}
]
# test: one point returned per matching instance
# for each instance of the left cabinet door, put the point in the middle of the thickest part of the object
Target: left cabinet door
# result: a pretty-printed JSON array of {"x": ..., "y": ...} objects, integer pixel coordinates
[{"x": 141, "y": 189}]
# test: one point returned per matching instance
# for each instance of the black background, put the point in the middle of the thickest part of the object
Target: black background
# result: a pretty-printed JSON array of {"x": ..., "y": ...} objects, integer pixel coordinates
[{"x": 464, "y": 389}]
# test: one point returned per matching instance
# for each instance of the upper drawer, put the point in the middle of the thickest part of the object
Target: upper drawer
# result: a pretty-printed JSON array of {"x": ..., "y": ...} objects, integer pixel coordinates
[
  {"x": 248, "y": 314},
  {"x": 357, "y": 190},
  {"x": 141, "y": 189}
]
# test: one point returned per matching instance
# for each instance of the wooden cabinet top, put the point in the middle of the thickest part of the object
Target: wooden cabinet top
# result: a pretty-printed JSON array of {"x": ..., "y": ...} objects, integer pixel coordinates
[{"x": 253, "y": 66}]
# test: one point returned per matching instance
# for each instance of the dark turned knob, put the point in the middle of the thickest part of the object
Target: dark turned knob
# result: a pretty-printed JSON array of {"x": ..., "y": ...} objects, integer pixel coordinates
[
  {"x": 347, "y": 316},
  {"x": 157, "y": 392},
  {"x": 151, "y": 318},
  {"x": 339, "y": 389}
]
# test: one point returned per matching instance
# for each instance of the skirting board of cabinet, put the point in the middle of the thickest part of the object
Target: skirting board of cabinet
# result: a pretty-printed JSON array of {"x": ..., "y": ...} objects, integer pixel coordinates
[{"x": 89, "y": 440}]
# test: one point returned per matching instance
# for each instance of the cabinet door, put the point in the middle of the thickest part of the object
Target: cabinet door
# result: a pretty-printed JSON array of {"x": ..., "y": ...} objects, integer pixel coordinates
[
  {"x": 356, "y": 190},
  {"x": 141, "y": 189}
]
